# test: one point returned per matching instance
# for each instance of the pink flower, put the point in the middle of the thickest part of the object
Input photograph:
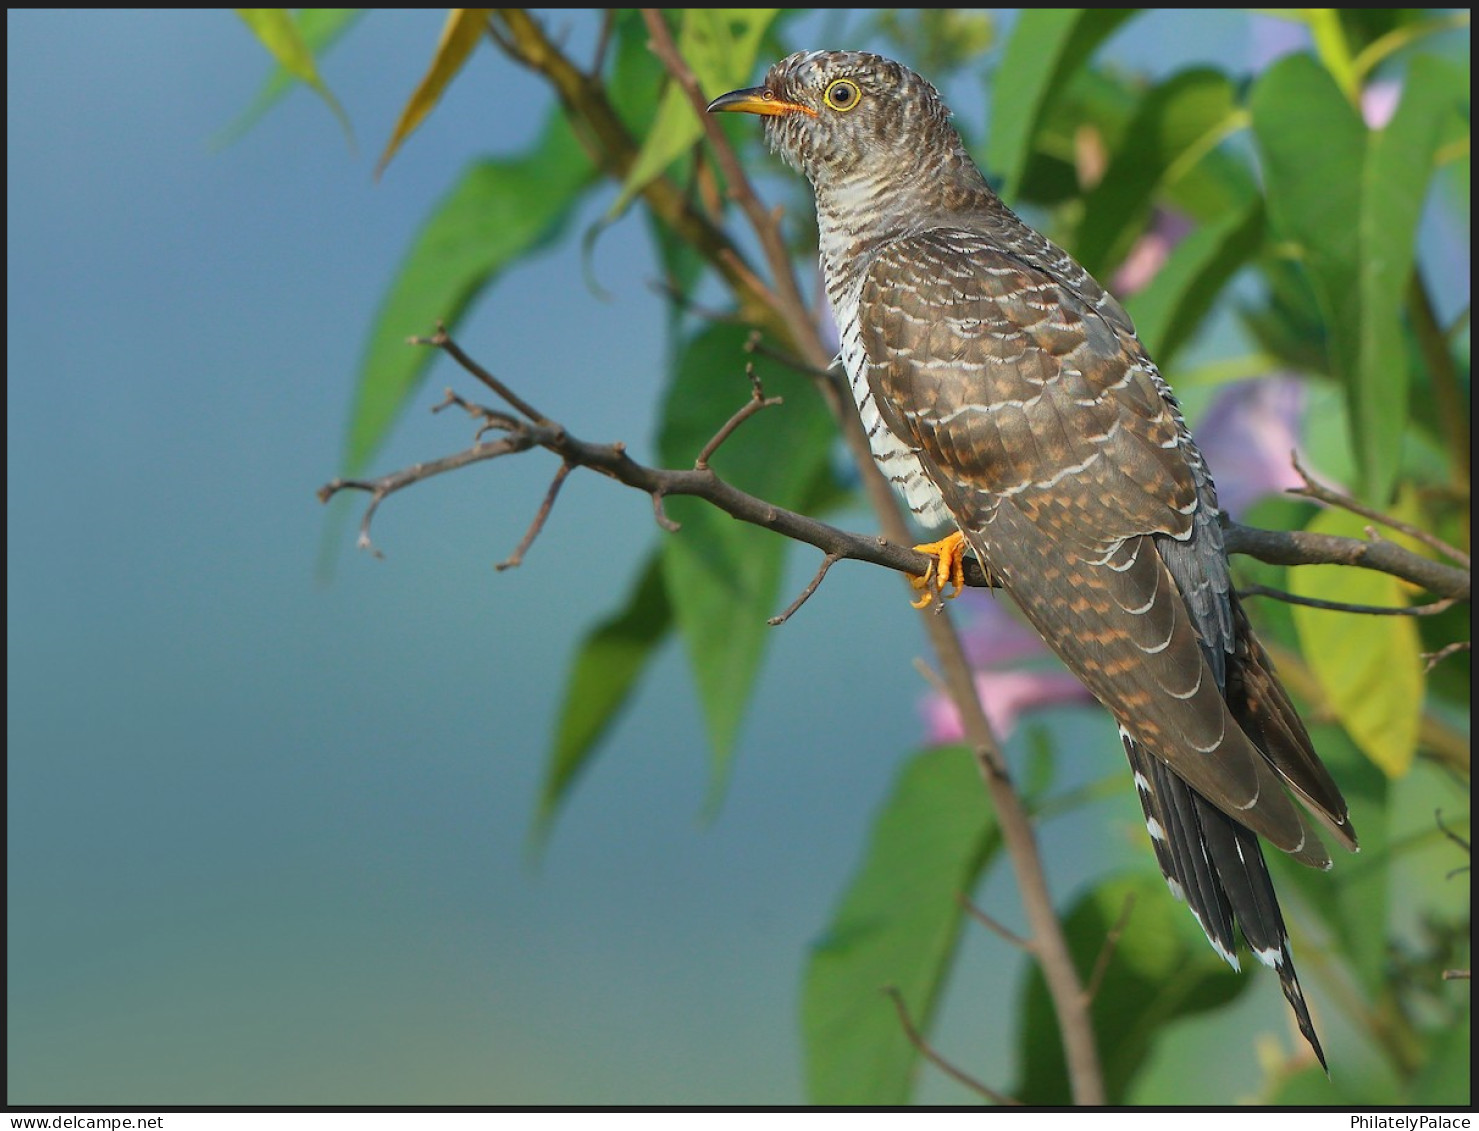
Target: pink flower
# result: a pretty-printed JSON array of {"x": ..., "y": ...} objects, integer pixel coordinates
[
  {"x": 1149, "y": 255},
  {"x": 997, "y": 645}
]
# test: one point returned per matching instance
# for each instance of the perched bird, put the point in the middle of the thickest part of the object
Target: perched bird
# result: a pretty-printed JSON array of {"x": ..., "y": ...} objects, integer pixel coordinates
[{"x": 1005, "y": 391}]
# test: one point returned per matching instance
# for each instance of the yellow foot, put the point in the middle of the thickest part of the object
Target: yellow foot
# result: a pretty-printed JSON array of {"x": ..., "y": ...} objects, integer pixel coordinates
[{"x": 946, "y": 570}]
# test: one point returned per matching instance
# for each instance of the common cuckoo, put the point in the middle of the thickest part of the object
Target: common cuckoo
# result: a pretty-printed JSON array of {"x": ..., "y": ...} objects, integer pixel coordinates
[{"x": 1006, "y": 393}]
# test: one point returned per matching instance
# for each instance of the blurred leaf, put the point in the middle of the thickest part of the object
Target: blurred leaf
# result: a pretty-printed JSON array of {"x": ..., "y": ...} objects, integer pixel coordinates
[
  {"x": 460, "y": 34},
  {"x": 1446, "y": 1077},
  {"x": 1369, "y": 667},
  {"x": 1399, "y": 165},
  {"x": 602, "y": 677},
  {"x": 637, "y": 76},
  {"x": 1352, "y": 899},
  {"x": 1158, "y": 973},
  {"x": 500, "y": 209},
  {"x": 1177, "y": 123},
  {"x": 1169, "y": 310},
  {"x": 1287, "y": 325},
  {"x": 898, "y": 925},
  {"x": 1349, "y": 201},
  {"x": 720, "y": 45},
  {"x": 319, "y": 29},
  {"x": 281, "y": 36},
  {"x": 1046, "y": 46},
  {"x": 1312, "y": 145},
  {"x": 723, "y": 577}
]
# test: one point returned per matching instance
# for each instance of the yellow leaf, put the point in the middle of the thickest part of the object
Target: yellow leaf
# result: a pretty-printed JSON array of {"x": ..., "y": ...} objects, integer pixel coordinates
[
  {"x": 280, "y": 35},
  {"x": 460, "y": 35},
  {"x": 1369, "y": 667}
]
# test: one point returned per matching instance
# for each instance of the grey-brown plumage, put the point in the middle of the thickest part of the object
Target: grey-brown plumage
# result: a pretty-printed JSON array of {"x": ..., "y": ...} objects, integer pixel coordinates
[{"x": 1004, "y": 390}]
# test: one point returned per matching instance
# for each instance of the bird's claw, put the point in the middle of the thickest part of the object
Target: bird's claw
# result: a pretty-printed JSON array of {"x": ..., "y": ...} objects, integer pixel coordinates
[{"x": 946, "y": 570}]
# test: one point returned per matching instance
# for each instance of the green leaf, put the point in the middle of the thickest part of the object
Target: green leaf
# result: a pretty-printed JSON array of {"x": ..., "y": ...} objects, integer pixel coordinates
[
  {"x": 1352, "y": 899},
  {"x": 1046, "y": 46},
  {"x": 1348, "y": 202},
  {"x": 723, "y": 576},
  {"x": 898, "y": 925},
  {"x": 605, "y": 671},
  {"x": 1160, "y": 971},
  {"x": 275, "y": 28},
  {"x": 720, "y": 45},
  {"x": 1446, "y": 1078},
  {"x": 500, "y": 209},
  {"x": 1399, "y": 165},
  {"x": 1369, "y": 667},
  {"x": 319, "y": 29},
  {"x": 1169, "y": 310},
  {"x": 1178, "y": 122}
]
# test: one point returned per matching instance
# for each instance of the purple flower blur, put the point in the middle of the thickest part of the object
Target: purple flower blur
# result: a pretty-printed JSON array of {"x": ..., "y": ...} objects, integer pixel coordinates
[{"x": 1248, "y": 435}]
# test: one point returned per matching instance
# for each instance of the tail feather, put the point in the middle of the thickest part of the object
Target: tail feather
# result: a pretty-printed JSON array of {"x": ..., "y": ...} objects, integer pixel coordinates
[{"x": 1217, "y": 867}]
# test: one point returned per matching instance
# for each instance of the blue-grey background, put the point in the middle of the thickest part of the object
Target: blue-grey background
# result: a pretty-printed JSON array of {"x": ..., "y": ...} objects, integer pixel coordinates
[{"x": 267, "y": 823}]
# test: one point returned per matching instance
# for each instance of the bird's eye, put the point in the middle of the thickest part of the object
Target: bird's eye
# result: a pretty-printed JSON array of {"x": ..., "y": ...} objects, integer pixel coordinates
[{"x": 843, "y": 94}]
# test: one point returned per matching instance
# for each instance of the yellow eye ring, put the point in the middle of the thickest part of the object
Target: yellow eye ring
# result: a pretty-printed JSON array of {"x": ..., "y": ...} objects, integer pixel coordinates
[{"x": 842, "y": 94}]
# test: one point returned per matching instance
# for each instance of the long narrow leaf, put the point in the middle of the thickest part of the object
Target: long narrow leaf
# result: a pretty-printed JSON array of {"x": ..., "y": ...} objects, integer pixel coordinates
[
  {"x": 1046, "y": 46},
  {"x": 500, "y": 210},
  {"x": 898, "y": 926},
  {"x": 460, "y": 34},
  {"x": 603, "y": 675}
]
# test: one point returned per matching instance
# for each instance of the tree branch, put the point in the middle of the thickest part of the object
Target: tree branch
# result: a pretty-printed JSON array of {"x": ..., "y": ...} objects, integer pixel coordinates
[{"x": 611, "y": 459}]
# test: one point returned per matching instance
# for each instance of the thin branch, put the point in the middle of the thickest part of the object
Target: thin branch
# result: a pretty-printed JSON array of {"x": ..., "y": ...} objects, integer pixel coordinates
[
  {"x": 517, "y": 557},
  {"x": 661, "y": 515},
  {"x": 603, "y": 41},
  {"x": 442, "y": 340},
  {"x": 828, "y": 562},
  {"x": 1435, "y": 658},
  {"x": 791, "y": 307},
  {"x": 1316, "y": 490},
  {"x": 1304, "y": 547},
  {"x": 923, "y": 1046},
  {"x": 1429, "y": 610},
  {"x": 999, "y": 929},
  {"x": 758, "y": 401},
  {"x": 1449, "y": 833},
  {"x": 382, "y": 488},
  {"x": 1106, "y": 952}
]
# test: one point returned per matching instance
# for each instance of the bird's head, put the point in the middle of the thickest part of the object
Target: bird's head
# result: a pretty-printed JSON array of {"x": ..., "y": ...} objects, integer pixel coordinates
[{"x": 837, "y": 114}]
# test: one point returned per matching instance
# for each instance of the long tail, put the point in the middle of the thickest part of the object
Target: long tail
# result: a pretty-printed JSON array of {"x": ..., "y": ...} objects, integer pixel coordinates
[{"x": 1216, "y": 866}]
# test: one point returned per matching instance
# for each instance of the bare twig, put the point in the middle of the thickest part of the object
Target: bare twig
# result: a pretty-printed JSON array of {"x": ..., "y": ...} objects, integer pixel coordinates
[
  {"x": 999, "y": 929},
  {"x": 1435, "y": 658},
  {"x": 1303, "y": 547},
  {"x": 1106, "y": 952},
  {"x": 442, "y": 340},
  {"x": 828, "y": 562},
  {"x": 1428, "y": 610},
  {"x": 517, "y": 557},
  {"x": 917, "y": 1040},
  {"x": 758, "y": 401},
  {"x": 387, "y": 485},
  {"x": 1449, "y": 833},
  {"x": 1313, "y": 489},
  {"x": 603, "y": 41}
]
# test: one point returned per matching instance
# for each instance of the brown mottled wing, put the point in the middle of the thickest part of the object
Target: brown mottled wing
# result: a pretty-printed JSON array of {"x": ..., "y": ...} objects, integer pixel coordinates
[{"x": 1035, "y": 412}]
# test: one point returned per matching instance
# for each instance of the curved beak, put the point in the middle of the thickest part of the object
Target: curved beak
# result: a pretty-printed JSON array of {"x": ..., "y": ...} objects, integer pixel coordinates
[{"x": 757, "y": 100}]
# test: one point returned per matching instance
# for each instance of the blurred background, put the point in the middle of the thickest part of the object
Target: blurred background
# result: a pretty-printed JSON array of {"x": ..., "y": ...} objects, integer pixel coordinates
[{"x": 270, "y": 798}]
